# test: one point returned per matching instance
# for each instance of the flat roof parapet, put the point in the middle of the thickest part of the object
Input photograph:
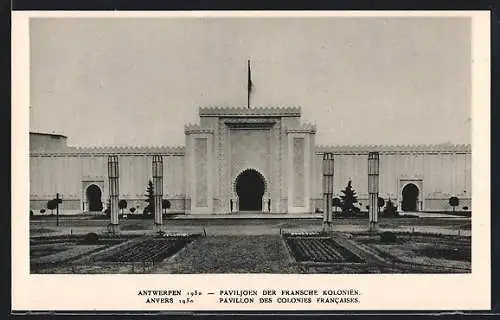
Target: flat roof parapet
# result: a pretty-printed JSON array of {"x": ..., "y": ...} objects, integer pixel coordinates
[
  {"x": 426, "y": 148},
  {"x": 250, "y": 112},
  {"x": 114, "y": 150},
  {"x": 55, "y": 135}
]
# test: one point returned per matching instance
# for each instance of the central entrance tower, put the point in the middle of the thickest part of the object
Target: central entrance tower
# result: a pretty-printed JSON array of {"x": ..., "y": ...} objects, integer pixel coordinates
[{"x": 255, "y": 159}]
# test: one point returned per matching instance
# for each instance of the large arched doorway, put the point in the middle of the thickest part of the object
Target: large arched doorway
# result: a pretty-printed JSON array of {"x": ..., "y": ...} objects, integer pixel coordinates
[
  {"x": 250, "y": 188},
  {"x": 410, "y": 197},
  {"x": 94, "y": 198}
]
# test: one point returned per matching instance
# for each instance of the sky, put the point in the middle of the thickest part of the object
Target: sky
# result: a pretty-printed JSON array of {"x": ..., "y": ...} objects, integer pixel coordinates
[{"x": 137, "y": 81}]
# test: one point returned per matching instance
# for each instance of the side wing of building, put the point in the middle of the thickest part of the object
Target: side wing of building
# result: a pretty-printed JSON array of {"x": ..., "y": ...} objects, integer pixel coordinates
[
  {"x": 437, "y": 171},
  {"x": 80, "y": 176}
]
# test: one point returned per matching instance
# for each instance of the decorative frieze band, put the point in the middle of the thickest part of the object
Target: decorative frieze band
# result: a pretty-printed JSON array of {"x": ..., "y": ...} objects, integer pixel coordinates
[
  {"x": 304, "y": 128},
  {"x": 362, "y": 149},
  {"x": 108, "y": 150},
  {"x": 195, "y": 128}
]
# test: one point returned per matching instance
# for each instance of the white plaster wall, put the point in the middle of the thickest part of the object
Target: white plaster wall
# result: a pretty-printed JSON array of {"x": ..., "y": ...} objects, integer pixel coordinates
[
  {"x": 442, "y": 175},
  {"x": 64, "y": 174},
  {"x": 250, "y": 149}
]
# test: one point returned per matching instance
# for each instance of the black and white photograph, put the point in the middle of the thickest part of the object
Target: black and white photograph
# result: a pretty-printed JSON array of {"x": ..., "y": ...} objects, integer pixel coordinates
[
  {"x": 237, "y": 145},
  {"x": 279, "y": 145}
]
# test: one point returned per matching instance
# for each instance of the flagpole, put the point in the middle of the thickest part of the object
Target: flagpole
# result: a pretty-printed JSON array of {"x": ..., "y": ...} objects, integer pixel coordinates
[{"x": 249, "y": 84}]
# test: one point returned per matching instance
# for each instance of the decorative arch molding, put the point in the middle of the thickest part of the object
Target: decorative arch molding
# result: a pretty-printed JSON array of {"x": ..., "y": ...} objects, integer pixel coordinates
[
  {"x": 94, "y": 184},
  {"x": 258, "y": 171},
  {"x": 419, "y": 183},
  {"x": 250, "y": 187},
  {"x": 411, "y": 182},
  {"x": 86, "y": 183}
]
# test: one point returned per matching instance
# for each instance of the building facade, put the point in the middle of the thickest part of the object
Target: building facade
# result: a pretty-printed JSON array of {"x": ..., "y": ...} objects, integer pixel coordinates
[{"x": 247, "y": 159}]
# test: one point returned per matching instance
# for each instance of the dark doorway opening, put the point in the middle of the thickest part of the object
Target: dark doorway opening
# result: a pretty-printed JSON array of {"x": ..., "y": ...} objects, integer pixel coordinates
[
  {"x": 410, "y": 198},
  {"x": 94, "y": 198},
  {"x": 250, "y": 188}
]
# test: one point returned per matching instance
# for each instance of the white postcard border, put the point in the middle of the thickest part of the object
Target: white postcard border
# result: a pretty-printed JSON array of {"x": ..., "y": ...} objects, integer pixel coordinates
[{"x": 378, "y": 292}]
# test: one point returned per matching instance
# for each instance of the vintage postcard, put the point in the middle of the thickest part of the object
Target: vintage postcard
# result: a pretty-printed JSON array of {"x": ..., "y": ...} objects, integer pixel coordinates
[{"x": 251, "y": 161}]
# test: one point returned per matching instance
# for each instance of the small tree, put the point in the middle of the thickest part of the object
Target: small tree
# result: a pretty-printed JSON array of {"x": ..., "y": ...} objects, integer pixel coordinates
[
  {"x": 336, "y": 203},
  {"x": 165, "y": 204},
  {"x": 454, "y": 202},
  {"x": 390, "y": 209},
  {"x": 52, "y": 205},
  {"x": 388, "y": 237},
  {"x": 381, "y": 202},
  {"x": 107, "y": 211},
  {"x": 146, "y": 213},
  {"x": 348, "y": 199},
  {"x": 149, "y": 209},
  {"x": 122, "y": 204}
]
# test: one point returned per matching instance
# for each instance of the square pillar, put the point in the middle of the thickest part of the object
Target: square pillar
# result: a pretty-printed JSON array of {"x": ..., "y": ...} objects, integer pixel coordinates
[
  {"x": 327, "y": 191},
  {"x": 373, "y": 181},
  {"x": 113, "y": 192},
  {"x": 158, "y": 190}
]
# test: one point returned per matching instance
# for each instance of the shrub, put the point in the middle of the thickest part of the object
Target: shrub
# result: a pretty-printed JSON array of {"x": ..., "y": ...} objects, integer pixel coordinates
[
  {"x": 453, "y": 201},
  {"x": 465, "y": 208},
  {"x": 390, "y": 210},
  {"x": 108, "y": 205},
  {"x": 388, "y": 237},
  {"x": 52, "y": 205},
  {"x": 380, "y": 202},
  {"x": 165, "y": 204},
  {"x": 42, "y": 211},
  {"x": 146, "y": 213},
  {"x": 91, "y": 238},
  {"x": 122, "y": 204},
  {"x": 31, "y": 213},
  {"x": 336, "y": 202},
  {"x": 132, "y": 210}
]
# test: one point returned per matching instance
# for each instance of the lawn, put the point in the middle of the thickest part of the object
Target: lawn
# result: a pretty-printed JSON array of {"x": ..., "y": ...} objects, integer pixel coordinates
[{"x": 232, "y": 254}]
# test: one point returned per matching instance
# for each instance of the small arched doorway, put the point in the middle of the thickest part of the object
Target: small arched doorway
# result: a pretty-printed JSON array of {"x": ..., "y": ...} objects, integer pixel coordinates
[
  {"x": 94, "y": 198},
  {"x": 250, "y": 188},
  {"x": 410, "y": 197}
]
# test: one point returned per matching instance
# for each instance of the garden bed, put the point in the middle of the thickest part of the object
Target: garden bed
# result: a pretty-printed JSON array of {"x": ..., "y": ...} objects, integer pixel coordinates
[
  {"x": 37, "y": 251},
  {"x": 66, "y": 255},
  {"x": 154, "y": 249},
  {"x": 455, "y": 253},
  {"x": 49, "y": 252},
  {"x": 438, "y": 252},
  {"x": 320, "y": 249}
]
